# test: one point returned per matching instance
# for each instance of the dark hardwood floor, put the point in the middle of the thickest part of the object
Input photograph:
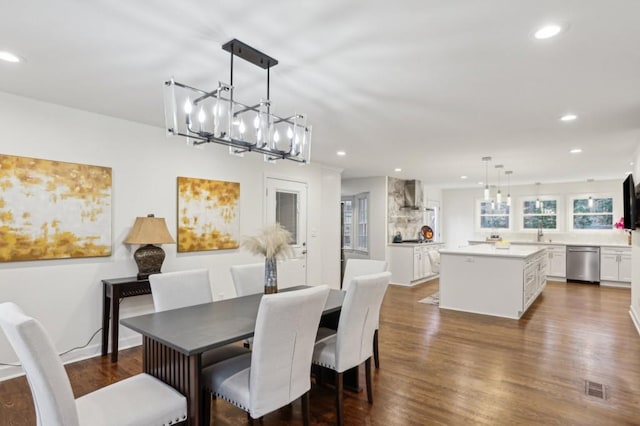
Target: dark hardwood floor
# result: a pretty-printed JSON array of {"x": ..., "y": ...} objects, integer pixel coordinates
[{"x": 454, "y": 368}]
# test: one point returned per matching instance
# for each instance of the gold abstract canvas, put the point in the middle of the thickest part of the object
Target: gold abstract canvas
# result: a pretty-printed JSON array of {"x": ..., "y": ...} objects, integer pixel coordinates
[
  {"x": 53, "y": 210},
  {"x": 208, "y": 214}
]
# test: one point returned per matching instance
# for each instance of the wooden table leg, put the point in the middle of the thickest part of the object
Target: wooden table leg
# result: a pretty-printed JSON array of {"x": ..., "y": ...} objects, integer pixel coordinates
[
  {"x": 106, "y": 309},
  {"x": 180, "y": 371},
  {"x": 115, "y": 323}
]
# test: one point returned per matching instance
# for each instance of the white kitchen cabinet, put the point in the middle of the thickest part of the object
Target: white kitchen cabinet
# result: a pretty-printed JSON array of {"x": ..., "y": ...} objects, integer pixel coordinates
[
  {"x": 411, "y": 263},
  {"x": 557, "y": 261},
  {"x": 615, "y": 264}
]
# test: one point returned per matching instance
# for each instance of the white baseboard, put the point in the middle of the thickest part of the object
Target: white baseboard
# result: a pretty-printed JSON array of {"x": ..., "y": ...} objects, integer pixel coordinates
[
  {"x": 618, "y": 284},
  {"x": 420, "y": 281},
  {"x": 635, "y": 318},
  {"x": 9, "y": 372}
]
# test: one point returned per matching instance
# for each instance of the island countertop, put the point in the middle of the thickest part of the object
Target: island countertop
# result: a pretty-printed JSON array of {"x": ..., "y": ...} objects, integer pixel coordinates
[{"x": 513, "y": 251}]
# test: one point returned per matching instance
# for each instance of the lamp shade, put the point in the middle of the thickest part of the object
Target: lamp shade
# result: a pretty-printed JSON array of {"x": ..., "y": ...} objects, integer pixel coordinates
[{"x": 149, "y": 230}]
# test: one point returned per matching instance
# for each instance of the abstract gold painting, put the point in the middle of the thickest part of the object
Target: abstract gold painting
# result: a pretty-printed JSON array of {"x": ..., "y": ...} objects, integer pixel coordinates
[
  {"x": 53, "y": 209},
  {"x": 208, "y": 214}
]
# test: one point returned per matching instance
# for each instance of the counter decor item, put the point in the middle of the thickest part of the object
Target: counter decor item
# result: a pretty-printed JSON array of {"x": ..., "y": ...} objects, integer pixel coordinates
[
  {"x": 272, "y": 242},
  {"x": 427, "y": 233},
  {"x": 620, "y": 225}
]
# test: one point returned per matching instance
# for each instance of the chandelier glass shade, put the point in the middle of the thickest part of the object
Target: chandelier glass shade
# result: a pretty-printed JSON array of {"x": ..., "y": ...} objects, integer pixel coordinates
[{"x": 215, "y": 116}]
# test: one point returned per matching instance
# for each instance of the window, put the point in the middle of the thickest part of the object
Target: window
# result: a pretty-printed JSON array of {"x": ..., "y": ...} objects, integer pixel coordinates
[
  {"x": 355, "y": 220},
  {"x": 545, "y": 216},
  {"x": 598, "y": 216},
  {"x": 287, "y": 212},
  {"x": 363, "y": 222},
  {"x": 494, "y": 218},
  {"x": 347, "y": 223}
]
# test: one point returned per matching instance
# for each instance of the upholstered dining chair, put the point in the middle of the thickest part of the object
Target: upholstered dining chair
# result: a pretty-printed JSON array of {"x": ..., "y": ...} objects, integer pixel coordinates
[
  {"x": 352, "y": 344},
  {"x": 139, "y": 400},
  {"x": 173, "y": 290},
  {"x": 358, "y": 267},
  {"x": 248, "y": 279},
  {"x": 277, "y": 372}
]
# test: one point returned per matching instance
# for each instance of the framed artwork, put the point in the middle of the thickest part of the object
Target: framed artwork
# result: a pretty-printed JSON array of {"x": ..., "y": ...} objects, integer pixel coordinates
[
  {"x": 208, "y": 214},
  {"x": 53, "y": 210}
]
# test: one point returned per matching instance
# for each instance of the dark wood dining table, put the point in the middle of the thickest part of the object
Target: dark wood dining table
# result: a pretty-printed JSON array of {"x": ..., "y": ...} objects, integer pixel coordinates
[{"x": 173, "y": 341}]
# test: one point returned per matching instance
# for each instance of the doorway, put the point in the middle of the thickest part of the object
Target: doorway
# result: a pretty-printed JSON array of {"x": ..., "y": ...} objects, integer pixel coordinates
[{"x": 286, "y": 204}]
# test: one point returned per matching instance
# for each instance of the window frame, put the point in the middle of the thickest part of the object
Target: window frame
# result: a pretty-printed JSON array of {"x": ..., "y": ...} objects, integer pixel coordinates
[
  {"x": 559, "y": 213},
  {"x": 356, "y": 224},
  {"x": 479, "y": 215},
  {"x": 570, "y": 213}
]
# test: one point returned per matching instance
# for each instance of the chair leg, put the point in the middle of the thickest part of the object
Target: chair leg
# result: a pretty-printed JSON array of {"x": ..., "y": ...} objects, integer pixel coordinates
[
  {"x": 306, "y": 415},
  {"x": 376, "y": 357},
  {"x": 367, "y": 373},
  {"x": 339, "y": 392}
]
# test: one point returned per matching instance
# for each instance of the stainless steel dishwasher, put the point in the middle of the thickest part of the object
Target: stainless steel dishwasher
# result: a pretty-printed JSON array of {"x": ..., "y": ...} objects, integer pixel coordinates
[{"x": 583, "y": 263}]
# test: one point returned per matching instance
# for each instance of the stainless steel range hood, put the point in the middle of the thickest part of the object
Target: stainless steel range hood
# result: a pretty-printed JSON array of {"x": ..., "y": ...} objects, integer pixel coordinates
[{"x": 412, "y": 195}]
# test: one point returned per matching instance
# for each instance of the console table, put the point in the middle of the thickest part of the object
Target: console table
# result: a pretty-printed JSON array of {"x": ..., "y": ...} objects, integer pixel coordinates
[{"x": 113, "y": 290}]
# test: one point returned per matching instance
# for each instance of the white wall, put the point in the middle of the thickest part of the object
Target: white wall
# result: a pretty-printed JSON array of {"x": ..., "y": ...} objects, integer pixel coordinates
[
  {"x": 459, "y": 206},
  {"x": 377, "y": 189},
  {"x": 66, "y": 295},
  {"x": 634, "y": 309}
]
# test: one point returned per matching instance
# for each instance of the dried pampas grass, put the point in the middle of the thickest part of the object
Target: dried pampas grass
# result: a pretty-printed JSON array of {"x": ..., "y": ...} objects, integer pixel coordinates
[{"x": 271, "y": 241}]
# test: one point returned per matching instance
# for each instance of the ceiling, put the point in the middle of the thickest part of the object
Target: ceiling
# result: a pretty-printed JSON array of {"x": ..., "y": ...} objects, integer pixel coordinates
[{"x": 427, "y": 86}]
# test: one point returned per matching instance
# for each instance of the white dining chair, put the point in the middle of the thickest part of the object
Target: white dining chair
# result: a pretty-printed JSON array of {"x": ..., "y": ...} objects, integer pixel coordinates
[
  {"x": 277, "y": 372},
  {"x": 358, "y": 267},
  {"x": 248, "y": 279},
  {"x": 352, "y": 344},
  {"x": 139, "y": 400},
  {"x": 173, "y": 290}
]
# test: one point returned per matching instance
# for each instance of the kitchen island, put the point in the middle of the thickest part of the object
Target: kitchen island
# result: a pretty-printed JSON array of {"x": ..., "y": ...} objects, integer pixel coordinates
[{"x": 487, "y": 280}]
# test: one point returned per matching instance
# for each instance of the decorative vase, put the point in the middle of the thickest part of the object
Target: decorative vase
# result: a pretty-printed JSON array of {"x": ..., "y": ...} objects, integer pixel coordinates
[{"x": 270, "y": 275}]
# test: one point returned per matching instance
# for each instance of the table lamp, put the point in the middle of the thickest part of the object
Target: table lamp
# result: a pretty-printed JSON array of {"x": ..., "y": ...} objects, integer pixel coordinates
[{"x": 148, "y": 231}]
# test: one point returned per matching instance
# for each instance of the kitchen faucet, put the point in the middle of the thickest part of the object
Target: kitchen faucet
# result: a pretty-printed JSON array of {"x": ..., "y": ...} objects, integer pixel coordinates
[{"x": 540, "y": 234}]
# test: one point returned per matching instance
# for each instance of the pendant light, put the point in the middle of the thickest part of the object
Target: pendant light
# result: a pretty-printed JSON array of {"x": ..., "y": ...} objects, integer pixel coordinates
[
  {"x": 499, "y": 167},
  {"x": 508, "y": 173},
  {"x": 537, "y": 195},
  {"x": 590, "y": 197},
  {"x": 486, "y": 177}
]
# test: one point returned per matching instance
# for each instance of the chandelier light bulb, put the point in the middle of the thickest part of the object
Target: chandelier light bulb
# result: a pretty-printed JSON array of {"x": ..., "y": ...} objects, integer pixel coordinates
[
  {"x": 256, "y": 121},
  {"x": 188, "y": 107},
  {"x": 242, "y": 127},
  {"x": 201, "y": 116},
  {"x": 289, "y": 133},
  {"x": 276, "y": 136}
]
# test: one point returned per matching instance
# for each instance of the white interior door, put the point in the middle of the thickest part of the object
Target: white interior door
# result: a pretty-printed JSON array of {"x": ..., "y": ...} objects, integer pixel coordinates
[{"x": 286, "y": 204}]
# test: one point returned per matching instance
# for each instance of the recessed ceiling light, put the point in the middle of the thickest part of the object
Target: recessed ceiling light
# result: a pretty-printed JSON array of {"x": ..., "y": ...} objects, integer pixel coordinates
[
  {"x": 548, "y": 31},
  {"x": 568, "y": 117},
  {"x": 631, "y": 163},
  {"x": 397, "y": 169},
  {"x": 463, "y": 177},
  {"x": 341, "y": 153},
  {"x": 9, "y": 57},
  {"x": 576, "y": 151}
]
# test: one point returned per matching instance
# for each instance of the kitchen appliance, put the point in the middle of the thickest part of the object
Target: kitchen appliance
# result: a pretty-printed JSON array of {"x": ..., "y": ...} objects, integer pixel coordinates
[
  {"x": 412, "y": 195},
  {"x": 583, "y": 264}
]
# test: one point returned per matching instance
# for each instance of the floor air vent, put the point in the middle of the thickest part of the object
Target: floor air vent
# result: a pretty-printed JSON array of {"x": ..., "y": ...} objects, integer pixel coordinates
[{"x": 597, "y": 390}]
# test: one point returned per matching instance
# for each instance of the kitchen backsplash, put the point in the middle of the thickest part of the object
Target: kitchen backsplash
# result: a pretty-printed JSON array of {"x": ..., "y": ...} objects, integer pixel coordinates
[
  {"x": 406, "y": 221},
  {"x": 613, "y": 236}
]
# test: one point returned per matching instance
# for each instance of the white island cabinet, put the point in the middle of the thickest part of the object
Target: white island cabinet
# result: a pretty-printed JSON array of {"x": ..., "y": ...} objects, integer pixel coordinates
[{"x": 484, "y": 279}]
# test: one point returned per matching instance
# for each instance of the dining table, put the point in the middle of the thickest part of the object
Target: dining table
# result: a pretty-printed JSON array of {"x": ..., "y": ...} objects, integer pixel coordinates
[{"x": 173, "y": 341}]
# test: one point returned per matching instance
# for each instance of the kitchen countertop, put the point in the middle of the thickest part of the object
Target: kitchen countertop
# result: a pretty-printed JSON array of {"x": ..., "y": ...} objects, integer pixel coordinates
[
  {"x": 518, "y": 251},
  {"x": 554, "y": 243},
  {"x": 415, "y": 244}
]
